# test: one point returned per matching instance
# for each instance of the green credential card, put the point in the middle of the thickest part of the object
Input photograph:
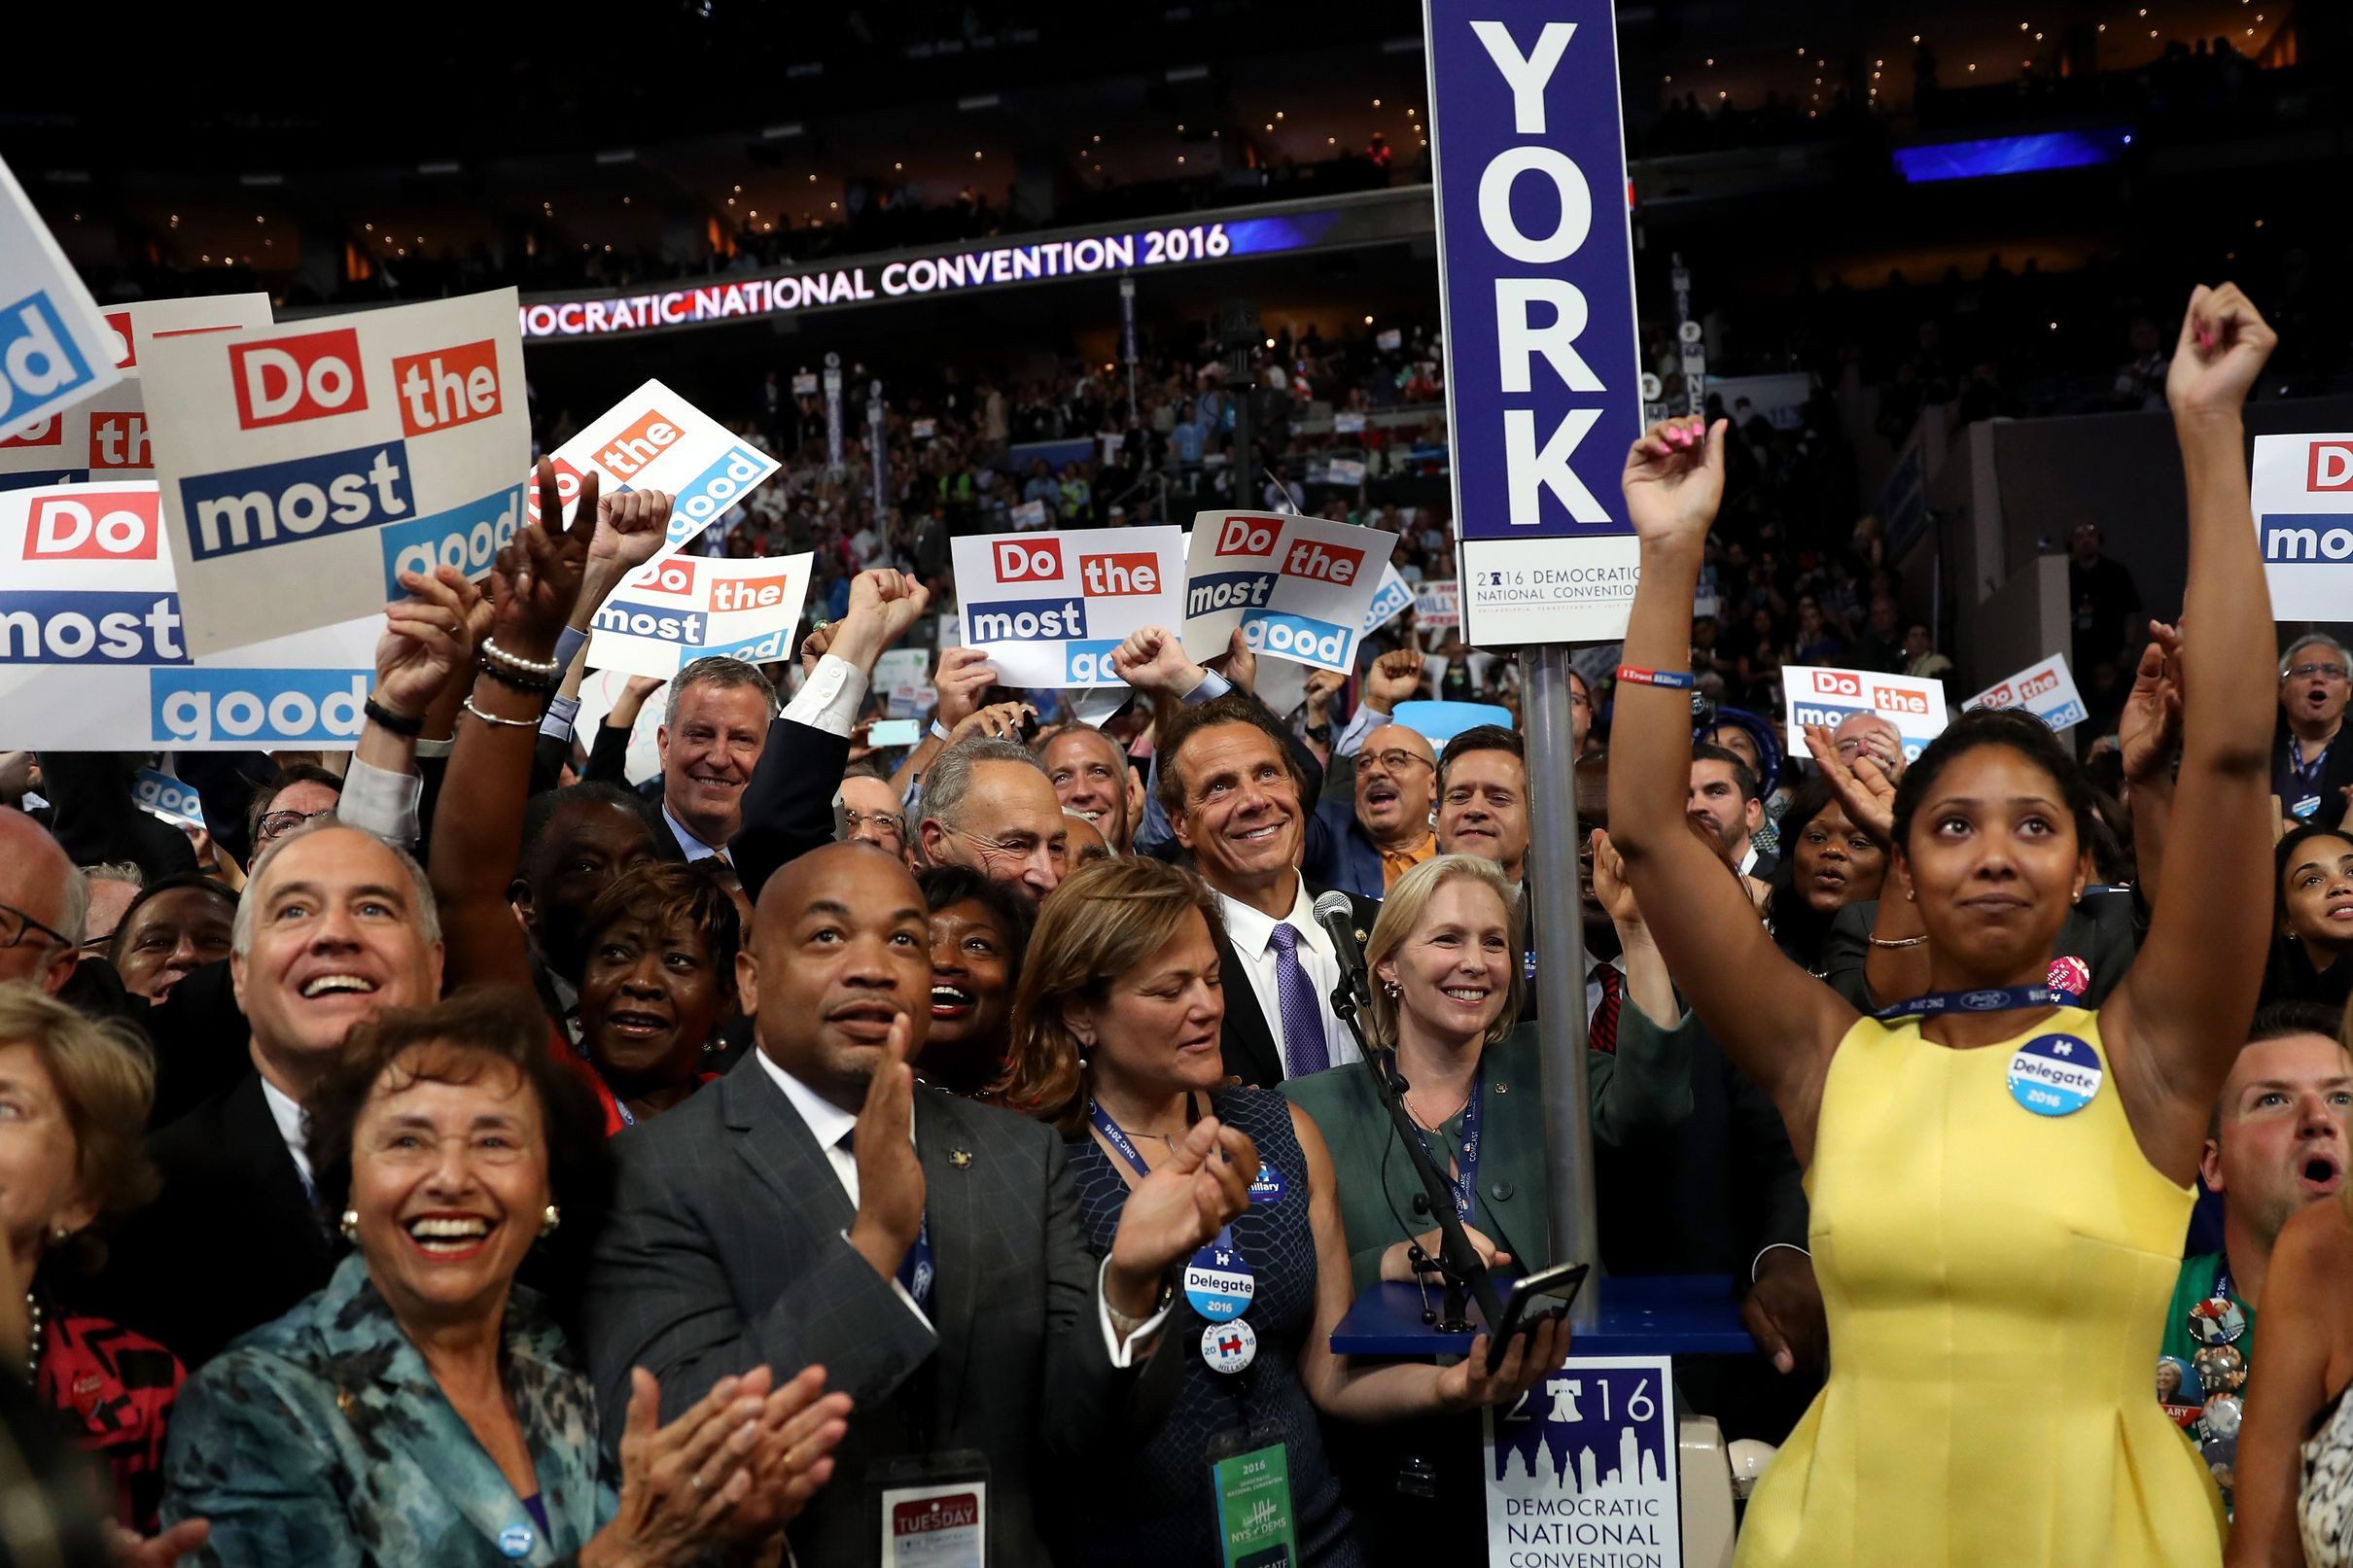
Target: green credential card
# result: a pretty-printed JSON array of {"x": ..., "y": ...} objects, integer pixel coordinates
[{"x": 1254, "y": 1509}]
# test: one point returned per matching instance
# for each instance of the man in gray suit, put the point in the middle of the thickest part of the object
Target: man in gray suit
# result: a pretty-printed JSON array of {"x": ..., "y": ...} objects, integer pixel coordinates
[{"x": 816, "y": 1207}]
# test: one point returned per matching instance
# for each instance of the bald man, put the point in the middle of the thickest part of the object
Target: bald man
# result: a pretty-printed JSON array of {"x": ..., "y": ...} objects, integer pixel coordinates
[
  {"x": 1365, "y": 844},
  {"x": 783, "y": 1217},
  {"x": 43, "y": 905}
]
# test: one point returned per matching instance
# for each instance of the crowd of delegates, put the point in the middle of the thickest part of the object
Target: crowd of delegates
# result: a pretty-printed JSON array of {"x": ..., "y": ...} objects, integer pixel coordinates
[{"x": 462, "y": 1155}]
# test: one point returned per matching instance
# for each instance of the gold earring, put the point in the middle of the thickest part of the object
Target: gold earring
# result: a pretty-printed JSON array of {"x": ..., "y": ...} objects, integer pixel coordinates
[
  {"x": 351, "y": 1224},
  {"x": 550, "y": 1221}
]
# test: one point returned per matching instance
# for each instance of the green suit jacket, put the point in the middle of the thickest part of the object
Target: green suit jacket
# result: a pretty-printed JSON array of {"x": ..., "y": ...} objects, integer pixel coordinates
[{"x": 1640, "y": 1090}]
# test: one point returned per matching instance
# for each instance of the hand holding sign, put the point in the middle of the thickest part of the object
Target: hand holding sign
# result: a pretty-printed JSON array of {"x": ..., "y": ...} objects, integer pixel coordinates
[
  {"x": 1238, "y": 663},
  {"x": 425, "y": 641},
  {"x": 1675, "y": 480},
  {"x": 1152, "y": 661},
  {"x": 2223, "y": 344},
  {"x": 965, "y": 673}
]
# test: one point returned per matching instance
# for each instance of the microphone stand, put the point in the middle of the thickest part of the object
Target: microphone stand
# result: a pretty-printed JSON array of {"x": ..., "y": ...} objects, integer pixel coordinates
[{"x": 1457, "y": 1261}]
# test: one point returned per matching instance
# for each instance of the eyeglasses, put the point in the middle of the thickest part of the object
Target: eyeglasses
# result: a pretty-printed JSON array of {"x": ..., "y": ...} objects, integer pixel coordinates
[
  {"x": 277, "y": 825},
  {"x": 1055, "y": 854},
  {"x": 2324, "y": 671},
  {"x": 16, "y": 924},
  {"x": 1397, "y": 758},
  {"x": 889, "y": 821}
]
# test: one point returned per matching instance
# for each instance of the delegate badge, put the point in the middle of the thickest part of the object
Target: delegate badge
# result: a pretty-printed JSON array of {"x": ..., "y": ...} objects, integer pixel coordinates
[
  {"x": 2070, "y": 974},
  {"x": 1229, "y": 1348},
  {"x": 2055, "y": 1074},
  {"x": 1219, "y": 1284},
  {"x": 1267, "y": 1188},
  {"x": 515, "y": 1540}
]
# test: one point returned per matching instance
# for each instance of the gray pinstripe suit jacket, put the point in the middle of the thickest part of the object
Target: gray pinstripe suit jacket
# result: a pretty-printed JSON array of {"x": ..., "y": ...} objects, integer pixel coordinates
[{"x": 727, "y": 1249}]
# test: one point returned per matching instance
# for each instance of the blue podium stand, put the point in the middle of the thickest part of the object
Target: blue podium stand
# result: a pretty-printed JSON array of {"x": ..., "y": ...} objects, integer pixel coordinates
[{"x": 1641, "y": 1315}]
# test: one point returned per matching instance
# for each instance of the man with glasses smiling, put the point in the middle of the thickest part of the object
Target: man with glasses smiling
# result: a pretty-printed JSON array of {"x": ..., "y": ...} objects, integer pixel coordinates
[
  {"x": 43, "y": 905},
  {"x": 988, "y": 803},
  {"x": 2310, "y": 771}
]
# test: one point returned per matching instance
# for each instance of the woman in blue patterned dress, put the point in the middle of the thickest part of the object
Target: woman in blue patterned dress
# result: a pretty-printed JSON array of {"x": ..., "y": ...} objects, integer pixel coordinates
[{"x": 1115, "y": 1041}]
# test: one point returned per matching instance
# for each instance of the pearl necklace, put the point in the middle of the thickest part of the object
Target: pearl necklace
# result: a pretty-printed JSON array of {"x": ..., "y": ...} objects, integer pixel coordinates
[{"x": 33, "y": 1339}]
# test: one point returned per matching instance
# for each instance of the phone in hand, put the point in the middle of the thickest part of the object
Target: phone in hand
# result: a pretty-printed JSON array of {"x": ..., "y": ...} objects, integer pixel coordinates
[
  {"x": 885, "y": 733},
  {"x": 1548, "y": 1292}
]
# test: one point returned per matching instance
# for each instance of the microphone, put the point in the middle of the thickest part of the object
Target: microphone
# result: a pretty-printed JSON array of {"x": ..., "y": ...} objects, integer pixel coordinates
[{"x": 1338, "y": 918}]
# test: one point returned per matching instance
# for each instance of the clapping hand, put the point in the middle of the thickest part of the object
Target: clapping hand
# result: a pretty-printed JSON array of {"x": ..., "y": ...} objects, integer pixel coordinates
[
  {"x": 1674, "y": 479},
  {"x": 682, "y": 1484},
  {"x": 2223, "y": 344},
  {"x": 800, "y": 1426},
  {"x": 1861, "y": 785},
  {"x": 2148, "y": 730},
  {"x": 1180, "y": 1207},
  {"x": 158, "y": 1550},
  {"x": 890, "y": 1178}
]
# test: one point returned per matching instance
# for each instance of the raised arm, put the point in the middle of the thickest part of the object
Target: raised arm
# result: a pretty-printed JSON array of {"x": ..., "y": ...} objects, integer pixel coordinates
[
  {"x": 533, "y": 588},
  {"x": 2178, "y": 1018},
  {"x": 1773, "y": 1020},
  {"x": 2148, "y": 742}
]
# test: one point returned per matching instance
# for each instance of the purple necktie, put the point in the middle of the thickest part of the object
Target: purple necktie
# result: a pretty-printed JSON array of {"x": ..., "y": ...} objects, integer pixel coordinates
[{"x": 1303, "y": 1048}]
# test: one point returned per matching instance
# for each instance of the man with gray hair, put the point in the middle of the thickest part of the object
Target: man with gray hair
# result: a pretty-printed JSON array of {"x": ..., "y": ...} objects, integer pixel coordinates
[
  {"x": 710, "y": 741},
  {"x": 988, "y": 803},
  {"x": 334, "y": 926},
  {"x": 2308, "y": 773}
]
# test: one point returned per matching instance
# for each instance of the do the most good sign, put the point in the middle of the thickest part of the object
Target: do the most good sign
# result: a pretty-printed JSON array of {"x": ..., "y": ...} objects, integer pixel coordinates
[
  {"x": 54, "y": 347},
  {"x": 1536, "y": 258},
  {"x": 1049, "y": 608},
  {"x": 304, "y": 467},
  {"x": 1299, "y": 587}
]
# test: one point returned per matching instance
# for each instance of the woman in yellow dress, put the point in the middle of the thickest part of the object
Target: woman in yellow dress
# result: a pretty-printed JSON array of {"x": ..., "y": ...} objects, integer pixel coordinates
[{"x": 2000, "y": 1180}]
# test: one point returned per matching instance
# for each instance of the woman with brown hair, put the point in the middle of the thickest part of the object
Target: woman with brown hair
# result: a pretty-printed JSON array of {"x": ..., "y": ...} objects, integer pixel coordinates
[{"x": 1116, "y": 1042}]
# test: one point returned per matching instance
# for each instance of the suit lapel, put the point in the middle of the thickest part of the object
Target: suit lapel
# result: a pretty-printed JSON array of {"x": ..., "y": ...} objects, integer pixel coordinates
[
  {"x": 251, "y": 1136},
  {"x": 771, "y": 1138},
  {"x": 1246, "y": 1041},
  {"x": 950, "y": 1207}
]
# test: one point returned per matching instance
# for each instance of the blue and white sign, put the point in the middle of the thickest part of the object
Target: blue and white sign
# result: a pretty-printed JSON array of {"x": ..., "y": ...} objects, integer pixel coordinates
[
  {"x": 161, "y": 795},
  {"x": 1390, "y": 601},
  {"x": 2302, "y": 495},
  {"x": 1536, "y": 258},
  {"x": 1582, "y": 1470},
  {"x": 2056, "y": 1074},
  {"x": 55, "y": 349},
  {"x": 2044, "y": 689}
]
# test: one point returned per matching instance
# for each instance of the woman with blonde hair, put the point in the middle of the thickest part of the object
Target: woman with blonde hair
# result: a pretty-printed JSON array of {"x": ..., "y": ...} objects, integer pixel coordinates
[{"x": 1116, "y": 1042}]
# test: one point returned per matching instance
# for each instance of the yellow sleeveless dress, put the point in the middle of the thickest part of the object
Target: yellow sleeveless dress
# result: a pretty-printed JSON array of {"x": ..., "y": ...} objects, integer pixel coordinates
[{"x": 1997, "y": 1283}]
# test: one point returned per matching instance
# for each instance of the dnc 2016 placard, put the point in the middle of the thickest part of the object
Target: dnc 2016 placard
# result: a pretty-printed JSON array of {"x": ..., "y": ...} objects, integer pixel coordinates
[{"x": 1536, "y": 258}]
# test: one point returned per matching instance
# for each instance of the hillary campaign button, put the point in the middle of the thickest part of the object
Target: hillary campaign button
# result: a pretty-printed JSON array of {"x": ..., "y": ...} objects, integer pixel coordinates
[
  {"x": 1267, "y": 1186},
  {"x": 2055, "y": 1074},
  {"x": 1219, "y": 1284},
  {"x": 1229, "y": 1348},
  {"x": 2070, "y": 974},
  {"x": 515, "y": 1540}
]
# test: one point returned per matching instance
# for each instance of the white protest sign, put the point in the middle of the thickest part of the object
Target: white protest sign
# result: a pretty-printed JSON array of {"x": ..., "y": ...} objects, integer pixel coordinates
[
  {"x": 1390, "y": 601},
  {"x": 904, "y": 675},
  {"x": 1583, "y": 1467},
  {"x": 671, "y": 611},
  {"x": 1347, "y": 471},
  {"x": 105, "y": 437},
  {"x": 54, "y": 346},
  {"x": 162, "y": 796},
  {"x": 1048, "y": 609},
  {"x": 2302, "y": 495},
  {"x": 1438, "y": 604},
  {"x": 1348, "y": 423},
  {"x": 1820, "y": 696},
  {"x": 1029, "y": 514},
  {"x": 2044, "y": 689},
  {"x": 599, "y": 692},
  {"x": 94, "y": 655},
  {"x": 654, "y": 439},
  {"x": 305, "y": 467},
  {"x": 1299, "y": 587}
]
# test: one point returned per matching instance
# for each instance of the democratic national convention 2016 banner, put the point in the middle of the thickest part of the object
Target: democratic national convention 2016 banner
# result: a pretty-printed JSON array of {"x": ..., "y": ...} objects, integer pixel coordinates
[
  {"x": 54, "y": 347},
  {"x": 1299, "y": 587},
  {"x": 1049, "y": 608},
  {"x": 304, "y": 467},
  {"x": 654, "y": 439},
  {"x": 2303, "y": 494},
  {"x": 1819, "y": 696},
  {"x": 1535, "y": 261},
  {"x": 105, "y": 437},
  {"x": 1583, "y": 1470},
  {"x": 669, "y": 612},
  {"x": 2044, "y": 689},
  {"x": 93, "y": 656}
]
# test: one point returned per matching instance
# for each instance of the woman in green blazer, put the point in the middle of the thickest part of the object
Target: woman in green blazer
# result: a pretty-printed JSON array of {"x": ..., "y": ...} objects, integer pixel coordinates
[{"x": 1445, "y": 1000}]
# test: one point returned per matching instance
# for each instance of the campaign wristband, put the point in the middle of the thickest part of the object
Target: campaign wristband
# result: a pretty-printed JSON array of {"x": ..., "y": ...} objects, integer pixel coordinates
[
  {"x": 398, "y": 723},
  {"x": 938, "y": 731},
  {"x": 1635, "y": 674}
]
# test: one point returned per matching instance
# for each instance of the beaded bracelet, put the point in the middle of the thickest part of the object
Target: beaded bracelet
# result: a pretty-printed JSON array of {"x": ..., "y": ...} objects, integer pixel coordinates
[
  {"x": 537, "y": 686},
  {"x": 490, "y": 650},
  {"x": 1635, "y": 674},
  {"x": 1895, "y": 941}
]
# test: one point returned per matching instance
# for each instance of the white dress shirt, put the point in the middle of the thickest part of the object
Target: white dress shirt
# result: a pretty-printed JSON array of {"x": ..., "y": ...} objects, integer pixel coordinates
[
  {"x": 827, "y": 1122},
  {"x": 287, "y": 1112},
  {"x": 1748, "y": 859},
  {"x": 1252, "y": 934},
  {"x": 1592, "y": 985}
]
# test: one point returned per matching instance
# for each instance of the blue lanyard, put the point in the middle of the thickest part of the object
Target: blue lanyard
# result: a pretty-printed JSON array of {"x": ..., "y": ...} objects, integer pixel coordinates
[
  {"x": 1467, "y": 1172},
  {"x": 2306, "y": 775},
  {"x": 1116, "y": 1137},
  {"x": 1992, "y": 999}
]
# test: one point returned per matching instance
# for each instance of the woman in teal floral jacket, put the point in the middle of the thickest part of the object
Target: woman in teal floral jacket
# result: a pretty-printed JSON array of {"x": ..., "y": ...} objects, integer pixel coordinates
[{"x": 422, "y": 1408}]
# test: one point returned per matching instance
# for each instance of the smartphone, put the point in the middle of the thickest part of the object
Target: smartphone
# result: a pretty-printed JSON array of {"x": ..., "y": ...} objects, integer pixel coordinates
[
  {"x": 890, "y": 732},
  {"x": 1548, "y": 1291}
]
